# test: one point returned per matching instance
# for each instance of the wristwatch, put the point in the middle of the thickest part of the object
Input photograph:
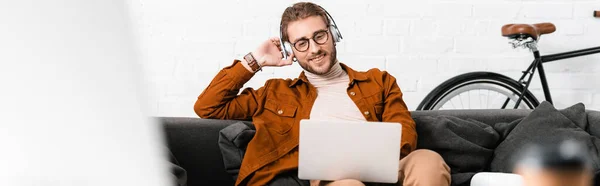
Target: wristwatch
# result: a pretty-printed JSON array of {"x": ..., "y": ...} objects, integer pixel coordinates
[{"x": 252, "y": 62}]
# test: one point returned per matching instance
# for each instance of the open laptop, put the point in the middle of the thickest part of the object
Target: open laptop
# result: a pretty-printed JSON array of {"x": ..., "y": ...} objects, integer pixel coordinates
[{"x": 336, "y": 150}]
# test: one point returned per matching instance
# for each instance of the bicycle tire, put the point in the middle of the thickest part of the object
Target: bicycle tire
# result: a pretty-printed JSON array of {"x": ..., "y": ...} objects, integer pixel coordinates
[{"x": 448, "y": 88}]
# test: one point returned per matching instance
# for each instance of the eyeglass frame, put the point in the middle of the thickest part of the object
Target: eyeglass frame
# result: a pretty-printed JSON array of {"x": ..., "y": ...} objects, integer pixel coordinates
[{"x": 326, "y": 30}]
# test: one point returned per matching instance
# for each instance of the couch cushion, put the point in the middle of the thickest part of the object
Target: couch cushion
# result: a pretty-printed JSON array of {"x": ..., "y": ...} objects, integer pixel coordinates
[
  {"x": 544, "y": 125},
  {"x": 466, "y": 145}
]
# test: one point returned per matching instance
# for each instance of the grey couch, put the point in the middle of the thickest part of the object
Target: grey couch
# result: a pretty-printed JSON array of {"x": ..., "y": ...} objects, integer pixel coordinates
[{"x": 193, "y": 141}]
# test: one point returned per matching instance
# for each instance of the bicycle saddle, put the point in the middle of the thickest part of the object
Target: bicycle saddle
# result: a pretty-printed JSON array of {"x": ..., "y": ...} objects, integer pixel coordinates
[{"x": 534, "y": 30}]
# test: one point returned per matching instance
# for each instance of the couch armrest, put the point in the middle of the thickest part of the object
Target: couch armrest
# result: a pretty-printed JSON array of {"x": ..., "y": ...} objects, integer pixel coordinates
[{"x": 193, "y": 142}]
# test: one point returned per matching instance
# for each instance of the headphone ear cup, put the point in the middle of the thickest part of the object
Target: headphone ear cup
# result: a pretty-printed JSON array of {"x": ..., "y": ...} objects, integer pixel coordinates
[
  {"x": 335, "y": 33},
  {"x": 287, "y": 49}
]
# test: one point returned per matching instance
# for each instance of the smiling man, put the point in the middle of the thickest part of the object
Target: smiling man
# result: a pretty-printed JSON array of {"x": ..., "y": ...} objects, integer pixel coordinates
[{"x": 326, "y": 89}]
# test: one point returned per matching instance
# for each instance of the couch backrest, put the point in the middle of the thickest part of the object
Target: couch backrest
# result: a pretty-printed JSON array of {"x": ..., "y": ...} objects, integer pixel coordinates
[{"x": 193, "y": 141}]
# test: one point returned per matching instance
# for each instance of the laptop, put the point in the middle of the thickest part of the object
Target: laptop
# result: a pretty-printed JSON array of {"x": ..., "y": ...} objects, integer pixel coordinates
[{"x": 361, "y": 150}]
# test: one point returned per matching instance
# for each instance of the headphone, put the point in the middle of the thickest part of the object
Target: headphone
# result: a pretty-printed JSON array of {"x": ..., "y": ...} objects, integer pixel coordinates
[{"x": 287, "y": 46}]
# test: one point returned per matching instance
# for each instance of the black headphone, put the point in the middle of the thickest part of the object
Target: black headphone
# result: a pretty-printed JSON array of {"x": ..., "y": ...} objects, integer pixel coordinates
[{"x": 287, "y": 47}]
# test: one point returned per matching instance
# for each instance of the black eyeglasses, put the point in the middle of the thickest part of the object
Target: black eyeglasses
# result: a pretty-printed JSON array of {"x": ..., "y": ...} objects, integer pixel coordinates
[{"x": 320, "y": 38}]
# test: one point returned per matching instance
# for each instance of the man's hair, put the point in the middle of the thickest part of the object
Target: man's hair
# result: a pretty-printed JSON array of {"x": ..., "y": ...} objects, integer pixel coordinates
[{"x": 300, "y": 11}]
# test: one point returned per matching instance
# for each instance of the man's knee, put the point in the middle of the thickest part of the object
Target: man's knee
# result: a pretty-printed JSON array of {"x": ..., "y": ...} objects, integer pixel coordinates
[
  {"x": 425, "y": 155},
  {"x": 424, "y": 167}
]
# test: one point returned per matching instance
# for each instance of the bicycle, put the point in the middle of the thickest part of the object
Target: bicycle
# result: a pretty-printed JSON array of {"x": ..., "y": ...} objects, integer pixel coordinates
[{"x": 512, "y": 93}]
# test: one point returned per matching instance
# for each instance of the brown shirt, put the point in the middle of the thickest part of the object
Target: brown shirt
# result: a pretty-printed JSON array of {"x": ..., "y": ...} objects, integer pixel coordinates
[{"x": 277, "y": 108}]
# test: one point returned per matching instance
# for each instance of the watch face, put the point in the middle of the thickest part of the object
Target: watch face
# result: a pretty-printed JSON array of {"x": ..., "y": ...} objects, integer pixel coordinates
[
  {"x": 251, "y": 62},
  {"x": 249, "y": 58}
]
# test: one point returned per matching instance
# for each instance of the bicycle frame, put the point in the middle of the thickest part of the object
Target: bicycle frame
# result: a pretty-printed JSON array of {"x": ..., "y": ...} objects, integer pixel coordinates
[{"x": 538, "y": 64}]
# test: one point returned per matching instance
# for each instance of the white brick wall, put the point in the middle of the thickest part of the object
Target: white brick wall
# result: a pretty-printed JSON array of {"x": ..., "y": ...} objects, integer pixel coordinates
[{"x": 186, "y": 42}]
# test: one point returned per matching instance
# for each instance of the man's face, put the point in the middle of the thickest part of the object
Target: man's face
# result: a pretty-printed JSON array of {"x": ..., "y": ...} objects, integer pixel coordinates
[{"x": 318, "y": 58}]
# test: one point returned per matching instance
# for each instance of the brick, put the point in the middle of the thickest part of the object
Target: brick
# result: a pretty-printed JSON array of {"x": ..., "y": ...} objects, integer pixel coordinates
[
  {"x": 423, "y": 27},
  {"x": 585, "y": 9},
  {"x": 478, "y": 28},
  {"x": 507, "y": 64},
  {"x": 257, "y": 28},
  {"x": 373, "y": 45},
  {"x": 376, "y": 9},
  {"x": 564, "y": 99},
  {"x": 573, "y": 65},
  {"x": 449, "y": 10},
  {"x": 591, "y": 28},
  {"x": 227, "y": 29},
  {"x": 495, "y": 26},
  {"x": 428, "y": 45},
  {"x": 569, "y": 28},
  {"x": 264, "y": 9},
  {"x": 504, "y": 10},
  {"x": 570, "y": 81},
  {"x": 547, "y": 10},
  {"x": 461, "y": 65},
  {"x": 397, "y": 27},
  {"x": 407, "y": 83},
  {"x": 345, "y": 8},
  {"x": 596, "y": 101},
  {"x": 430, "y": 81},
  {"x": 224, "y": 49},
  {"x": 364, "y": 63},
  {"x": 176, "y": 107},
  {"x": 243, "y": 46},
  {"x": 347, "y": 27},
  {"x": 551, "y": 44},
  {"x": 412, "y": 99},
  {"x": 412, "y": 65},
  {"x": 448, "y": 28},
  {"x": 411, "y": 9},
  {"x": 371, "y": 26},
  {"x": 480, "y": 45}
]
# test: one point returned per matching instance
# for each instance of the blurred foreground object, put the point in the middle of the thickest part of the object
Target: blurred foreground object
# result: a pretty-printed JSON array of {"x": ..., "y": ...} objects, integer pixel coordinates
[
  {"x": 496, "y": 179},
  {"x": 566, "y": 163},
  {"x": 71, "y": 100}
]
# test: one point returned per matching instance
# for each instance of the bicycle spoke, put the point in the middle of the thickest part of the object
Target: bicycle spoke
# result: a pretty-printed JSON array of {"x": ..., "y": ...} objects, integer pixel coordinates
[
  {"x": 469, "y": 99},
  {"x": 493, "y": 96},
  {"x": 479, "y": 97},
  {"x": 461, "y": 102},
  {"x": 487, "y": 100}
]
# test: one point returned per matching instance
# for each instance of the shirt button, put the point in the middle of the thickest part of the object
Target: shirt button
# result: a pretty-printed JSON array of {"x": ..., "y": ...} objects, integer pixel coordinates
[
  {"x": 367, "y": 113},
  {"x": 352, "y": 93},
  {"x": 280, "y": 112}
]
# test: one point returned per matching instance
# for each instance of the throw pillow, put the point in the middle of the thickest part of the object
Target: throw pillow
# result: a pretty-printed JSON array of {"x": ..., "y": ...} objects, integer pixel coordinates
[
  {"x": 467, "y": 146},
  {"x": 545, "y": 124}
]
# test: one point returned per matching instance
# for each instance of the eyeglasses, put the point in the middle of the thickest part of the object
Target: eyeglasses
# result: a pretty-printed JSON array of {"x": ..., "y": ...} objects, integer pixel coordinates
[{"x": 320, "y": 38}]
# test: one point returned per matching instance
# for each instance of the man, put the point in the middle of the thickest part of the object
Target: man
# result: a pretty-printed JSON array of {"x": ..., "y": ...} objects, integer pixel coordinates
[{"x": 326, "y": 89}]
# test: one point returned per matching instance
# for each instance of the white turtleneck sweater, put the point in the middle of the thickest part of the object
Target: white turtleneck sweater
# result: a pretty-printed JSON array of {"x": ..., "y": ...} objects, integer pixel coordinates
[{"x": 333, "y": 102}]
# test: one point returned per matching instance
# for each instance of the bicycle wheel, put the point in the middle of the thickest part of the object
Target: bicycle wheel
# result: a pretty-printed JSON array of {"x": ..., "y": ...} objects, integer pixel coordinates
[{"x": 478, "y": 90}]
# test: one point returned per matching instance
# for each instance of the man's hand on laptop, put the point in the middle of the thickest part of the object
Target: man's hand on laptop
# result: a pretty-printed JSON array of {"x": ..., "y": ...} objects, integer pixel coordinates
[{"x": 269, "y": 54}]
